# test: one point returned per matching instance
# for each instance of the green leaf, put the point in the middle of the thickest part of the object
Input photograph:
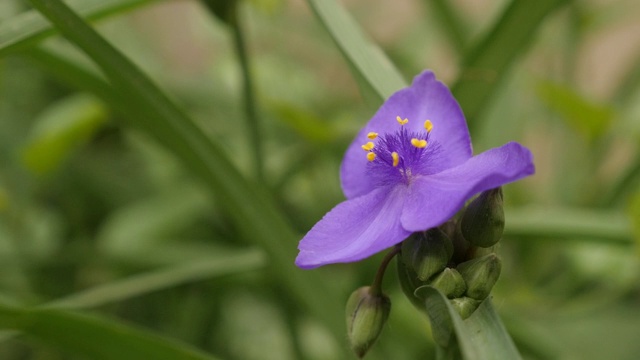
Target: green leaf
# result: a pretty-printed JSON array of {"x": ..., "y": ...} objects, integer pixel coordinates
[
  {"x": 31, "y": 27},
  {"x": 94, "y": 337},
  {"x": 480, "y": 337},
  {"x": 587, "y": 117},
  {"x": 60, "y": 129},
  {"x": 212, "y": 266},
  {"x": 488, "y": 61},
  {"x": 376, "y": 74},
  {"x": 254, "y": 212},
  {"x": 597, "y": 225}
]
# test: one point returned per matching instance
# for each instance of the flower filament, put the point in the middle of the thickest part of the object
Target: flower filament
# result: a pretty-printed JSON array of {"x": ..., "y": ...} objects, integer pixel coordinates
[{"x": 400, "y": 155}]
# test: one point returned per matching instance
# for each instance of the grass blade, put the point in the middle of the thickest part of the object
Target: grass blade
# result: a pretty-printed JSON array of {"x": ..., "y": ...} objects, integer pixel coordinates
[
  {"x": 95, "y": 337},
  {"x": 370, "y": 65},
  {"x": 597, "y": 225},
  {"x": 30, "y": 27},
  {"x": 488, "y": 61},
  {"x": 252, "y": 209},
  {"x": 137, "y": 285}
]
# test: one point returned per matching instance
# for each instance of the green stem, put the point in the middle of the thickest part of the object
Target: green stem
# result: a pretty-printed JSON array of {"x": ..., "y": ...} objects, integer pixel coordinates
[
  {"x": 253, "y": 123},
  {"x": 376, "y": 287},
  {"x": 229, "y": 13}
]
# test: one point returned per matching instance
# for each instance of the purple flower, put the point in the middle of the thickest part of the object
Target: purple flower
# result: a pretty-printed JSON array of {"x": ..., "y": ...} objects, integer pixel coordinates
[{"x": 410, "y": 169}]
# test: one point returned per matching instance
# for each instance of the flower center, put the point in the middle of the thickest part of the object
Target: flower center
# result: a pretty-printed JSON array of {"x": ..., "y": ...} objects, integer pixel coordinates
[{"x": 399, "y": 156}]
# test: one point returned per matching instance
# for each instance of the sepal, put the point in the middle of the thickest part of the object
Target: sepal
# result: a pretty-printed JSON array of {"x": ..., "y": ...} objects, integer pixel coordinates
[{"x": 483, "y": 221}]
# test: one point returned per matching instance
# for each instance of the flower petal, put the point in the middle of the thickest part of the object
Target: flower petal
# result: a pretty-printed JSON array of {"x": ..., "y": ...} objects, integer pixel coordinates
[
  {"x": 434, "y": 199},
  {"x": 355, "y": 229},
  {"x": 426, "y": 99}
]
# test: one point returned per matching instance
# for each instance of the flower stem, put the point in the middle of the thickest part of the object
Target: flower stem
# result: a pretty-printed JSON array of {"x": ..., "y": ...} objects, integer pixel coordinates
[{"x": 376, "y": 287}]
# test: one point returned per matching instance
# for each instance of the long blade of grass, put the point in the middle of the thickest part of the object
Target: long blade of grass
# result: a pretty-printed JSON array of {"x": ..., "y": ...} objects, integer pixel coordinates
[
  {"x": 94, "y": 337},
  {"x": 377, "y": 74},
  {"x": 486, "y": 63},
  {"x": 74, "y": 74},
  {"x": 30, "y": 27},
  {"x": 212, "y": 266},
  {"x": 248, "y": 204},
  {"x": 597, "y": 225}
]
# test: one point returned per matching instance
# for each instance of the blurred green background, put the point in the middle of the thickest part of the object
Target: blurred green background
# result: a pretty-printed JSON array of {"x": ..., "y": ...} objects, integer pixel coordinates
[{"x": 112, "y": 240}]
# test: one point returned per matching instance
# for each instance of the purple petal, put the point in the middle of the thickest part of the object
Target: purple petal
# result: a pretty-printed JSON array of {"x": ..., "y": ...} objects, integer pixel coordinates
[
  {"x": 355, "y": 229},
  {"x": 434, "y": 199},
  {"x": 426, "y": 99}
]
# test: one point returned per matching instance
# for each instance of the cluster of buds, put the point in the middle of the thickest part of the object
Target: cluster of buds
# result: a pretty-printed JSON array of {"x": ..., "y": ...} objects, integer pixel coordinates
[{"x": 448, "y": 258}]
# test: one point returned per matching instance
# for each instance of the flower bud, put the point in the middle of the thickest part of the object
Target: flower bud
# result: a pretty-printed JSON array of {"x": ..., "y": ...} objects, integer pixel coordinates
[
  {"x": 450, "y": 283},
  {"x": 480, "y": 274},
  {"x": 427, "y": 253},
  {"x": 366, "y": 315},
  {"x": 483, "y": 220},
  {"x": 465, "y": 306}
]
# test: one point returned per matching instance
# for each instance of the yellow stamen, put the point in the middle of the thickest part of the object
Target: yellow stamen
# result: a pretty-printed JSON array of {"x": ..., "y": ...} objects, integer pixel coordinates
[
  {"x": 372, "y": 135},
  {"x": 396, "y": 158},
  {"x": 419, "y": 143},
  {"x": 368, "y": 146},
  {"x": 400, "y": 121},
  {"x": 428, "y": 125},
  {"x": 371, "y": 156}
]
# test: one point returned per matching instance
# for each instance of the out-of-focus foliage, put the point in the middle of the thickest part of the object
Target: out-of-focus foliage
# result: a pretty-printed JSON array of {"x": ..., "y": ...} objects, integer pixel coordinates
[{"x": 97, "y": 217}]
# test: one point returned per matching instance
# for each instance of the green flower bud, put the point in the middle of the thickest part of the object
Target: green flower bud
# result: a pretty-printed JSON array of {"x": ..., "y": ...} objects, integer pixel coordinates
[
  {"x": 483, "y": 220},
  {"x": 480, "y": 274},
  {"x": 366, "y": 315},
  {"x": 450, "y": 283},
  {"x": 427, "y": 253},
  {"x": 465, "y": 306}
]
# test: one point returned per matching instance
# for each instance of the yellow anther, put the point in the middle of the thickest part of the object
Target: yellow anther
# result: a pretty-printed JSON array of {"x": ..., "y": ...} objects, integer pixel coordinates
[
  {"x": 428, "y": 125},
  {"x": 400, "y": 121},
  {"x": 372, "y": 135},
  {"x": 371, "y": 156},
  {"x": 368, "y": 146},
  {"x": 396, "y": 158},
  {"x": 419, "y": 143}
]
